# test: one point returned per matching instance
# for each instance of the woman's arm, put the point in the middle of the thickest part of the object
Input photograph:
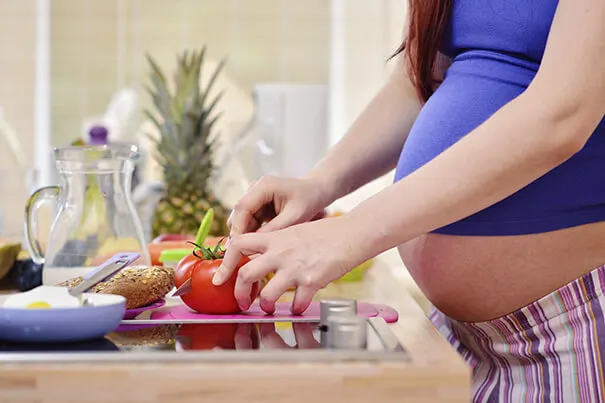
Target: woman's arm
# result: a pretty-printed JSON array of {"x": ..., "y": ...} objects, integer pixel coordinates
[
  {"x": 530, "y": 136},
  {"x": 371, "y": 146},
  {"x": 369, "y": 149}
]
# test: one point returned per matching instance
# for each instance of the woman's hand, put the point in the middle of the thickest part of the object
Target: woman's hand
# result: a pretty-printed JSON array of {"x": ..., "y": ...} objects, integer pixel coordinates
[
  {"x": 307, "y": 256},
  {"x": 276, "y": 203},
  {"x": 303, "y": 334}
]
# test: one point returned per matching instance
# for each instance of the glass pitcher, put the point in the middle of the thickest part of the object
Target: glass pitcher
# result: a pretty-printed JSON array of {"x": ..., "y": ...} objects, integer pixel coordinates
[{"x": 94, "y": 218}]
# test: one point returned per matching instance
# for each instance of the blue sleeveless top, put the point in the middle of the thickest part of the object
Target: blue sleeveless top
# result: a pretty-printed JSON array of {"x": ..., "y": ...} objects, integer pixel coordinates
[{"x": 496, "y": 47}]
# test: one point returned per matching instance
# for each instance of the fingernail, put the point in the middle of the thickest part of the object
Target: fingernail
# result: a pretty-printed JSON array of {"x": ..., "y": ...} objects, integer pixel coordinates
[
  {"x": 267, "y": 307},
  {"x": 229, "y": 218},
  {"x": 217, "y": 279},
  {"x": 246, "y": 305}
]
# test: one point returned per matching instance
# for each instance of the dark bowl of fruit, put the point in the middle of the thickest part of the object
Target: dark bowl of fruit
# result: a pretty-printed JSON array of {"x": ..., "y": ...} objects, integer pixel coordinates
[
  {"x": 25, "y": 274},
  {"x": 9, "y": 251}
]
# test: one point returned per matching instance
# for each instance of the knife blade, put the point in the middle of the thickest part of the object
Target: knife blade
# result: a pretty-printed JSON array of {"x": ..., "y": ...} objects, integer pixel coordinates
[{"x": 183, "y": 289}]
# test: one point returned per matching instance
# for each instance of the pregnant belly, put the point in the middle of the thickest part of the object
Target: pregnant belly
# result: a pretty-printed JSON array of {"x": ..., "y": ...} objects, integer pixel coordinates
[
  {"x": 475, "y": 278},
  {"x": 486, "y": 272}
]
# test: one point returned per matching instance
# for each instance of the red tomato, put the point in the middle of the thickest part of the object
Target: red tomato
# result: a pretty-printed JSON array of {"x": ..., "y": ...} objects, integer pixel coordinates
[
  {"x": 226, "y": 336},
  {"x": 204, "y": 296},
  {"x": 207, "y": 336}
]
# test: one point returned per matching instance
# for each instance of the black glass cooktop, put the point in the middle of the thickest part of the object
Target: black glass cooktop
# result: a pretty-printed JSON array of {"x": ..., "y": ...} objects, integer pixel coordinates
[{"x": 199, "y": 337}]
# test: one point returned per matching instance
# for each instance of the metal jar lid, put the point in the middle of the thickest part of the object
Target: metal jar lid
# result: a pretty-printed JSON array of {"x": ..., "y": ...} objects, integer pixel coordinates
[{"x": 347, "y": 332}]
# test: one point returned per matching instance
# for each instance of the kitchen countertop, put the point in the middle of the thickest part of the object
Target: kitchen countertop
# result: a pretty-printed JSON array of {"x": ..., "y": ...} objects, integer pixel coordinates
[{"x": 435, "y": 372}]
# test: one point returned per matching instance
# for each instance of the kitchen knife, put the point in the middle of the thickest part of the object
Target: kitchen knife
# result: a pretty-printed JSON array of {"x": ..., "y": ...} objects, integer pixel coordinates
[{"x": 183, "y": 289}]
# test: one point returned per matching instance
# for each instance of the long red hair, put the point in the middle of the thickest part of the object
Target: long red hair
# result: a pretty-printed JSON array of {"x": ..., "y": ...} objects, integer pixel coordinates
[{"x": 427, "y": 22}]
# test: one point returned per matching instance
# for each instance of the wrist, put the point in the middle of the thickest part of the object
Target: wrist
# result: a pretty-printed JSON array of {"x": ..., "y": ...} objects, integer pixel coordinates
[
  {"x": 378, "y": 228},
  {"x": 330, "y": 186},
  {"x": 352, "y": 238}
]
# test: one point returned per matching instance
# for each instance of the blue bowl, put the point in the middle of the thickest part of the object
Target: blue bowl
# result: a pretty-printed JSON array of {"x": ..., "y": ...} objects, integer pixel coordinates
[{"x": 60, "y": 325}]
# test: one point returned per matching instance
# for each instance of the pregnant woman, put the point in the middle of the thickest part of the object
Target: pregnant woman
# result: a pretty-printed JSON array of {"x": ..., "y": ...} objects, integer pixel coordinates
[{"x": 493, "y": 120}]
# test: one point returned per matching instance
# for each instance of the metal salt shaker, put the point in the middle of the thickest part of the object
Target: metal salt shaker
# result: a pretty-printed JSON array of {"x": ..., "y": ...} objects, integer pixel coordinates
[
  {"x": 347, "y": 332},
  {"x": 333, "y": 308}
]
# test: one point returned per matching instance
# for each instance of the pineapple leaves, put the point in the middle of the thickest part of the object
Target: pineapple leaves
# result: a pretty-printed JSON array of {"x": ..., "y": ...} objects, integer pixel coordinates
[
  {"x": 212, "y": 80},
  {"x": 209, "y": 126},
  {"x": 153, "y": 120},
  {"x": 161, "y": 95},
  {"x": 185, "y": 119},
  {"x": 156, "y": 69},
  {"x": 205, "y": 115},
  {"x": 214, "y": 102}
]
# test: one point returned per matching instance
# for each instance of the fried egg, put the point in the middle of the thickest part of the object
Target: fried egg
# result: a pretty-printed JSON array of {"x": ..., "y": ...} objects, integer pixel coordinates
[{"x": 43, "y": 297}]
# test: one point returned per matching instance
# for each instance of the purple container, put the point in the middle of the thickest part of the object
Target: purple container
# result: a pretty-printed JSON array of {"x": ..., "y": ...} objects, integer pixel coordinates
[
  {"x": 134, "y": 312},
  {"x": 98, "y": 135}
]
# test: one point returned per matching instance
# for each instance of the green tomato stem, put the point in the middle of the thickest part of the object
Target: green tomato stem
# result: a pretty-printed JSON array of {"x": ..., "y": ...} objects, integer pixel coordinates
[
  {"x": 208, "y": 253},
  {"x": 205, "y": 226}
]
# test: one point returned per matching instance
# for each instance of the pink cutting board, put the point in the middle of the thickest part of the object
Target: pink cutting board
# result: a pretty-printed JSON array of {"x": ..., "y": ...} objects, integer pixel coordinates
[{"x": 282, "y": 312}]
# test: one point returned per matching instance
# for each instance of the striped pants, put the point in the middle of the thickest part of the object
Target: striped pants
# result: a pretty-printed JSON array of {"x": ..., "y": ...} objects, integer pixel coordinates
[{"x": 548, "y": 351}]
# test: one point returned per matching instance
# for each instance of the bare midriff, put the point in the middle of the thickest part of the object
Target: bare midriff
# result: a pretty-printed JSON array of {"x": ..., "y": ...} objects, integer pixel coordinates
[{"x": 478, "y": 278}]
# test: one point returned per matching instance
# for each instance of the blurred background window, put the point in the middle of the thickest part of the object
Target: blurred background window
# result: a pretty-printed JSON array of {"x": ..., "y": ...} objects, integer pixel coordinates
[{"x": 64, "y": 63}]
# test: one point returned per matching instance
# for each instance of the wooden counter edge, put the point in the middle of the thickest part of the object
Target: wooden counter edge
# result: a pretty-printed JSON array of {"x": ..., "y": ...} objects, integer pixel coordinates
[
  {"x": 196, "y": 382},
  {"x": 436, "y": 373}
]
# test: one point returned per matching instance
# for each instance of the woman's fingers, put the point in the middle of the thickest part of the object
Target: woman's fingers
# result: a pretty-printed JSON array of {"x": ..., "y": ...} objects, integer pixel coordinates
[
  {"x": 274, "y": 289},
  {"x": 248, "y": 275},
  {"x": 319, "y": 216},
  {"x": 303, "y": 333},
  {"x": 245, "y": 216},
  {"x": 302, "y": 299},
  {"x": 270, "y": 338},
  {"x": 243, "y": 220},
  {"x": 244, "y": 337},
  {"x": 240, "y": 246},
  {"x": 289, "y": 216}
]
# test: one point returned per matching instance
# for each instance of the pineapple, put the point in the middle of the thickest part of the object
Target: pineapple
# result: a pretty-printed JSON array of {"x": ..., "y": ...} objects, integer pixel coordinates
[{"x": 185, "y": 119}]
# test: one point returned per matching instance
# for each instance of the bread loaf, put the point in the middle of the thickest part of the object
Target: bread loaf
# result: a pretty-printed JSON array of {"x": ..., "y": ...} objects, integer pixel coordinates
[
  {"x": 163, "y": 336},
  {"x": 140, "y": 285}
]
